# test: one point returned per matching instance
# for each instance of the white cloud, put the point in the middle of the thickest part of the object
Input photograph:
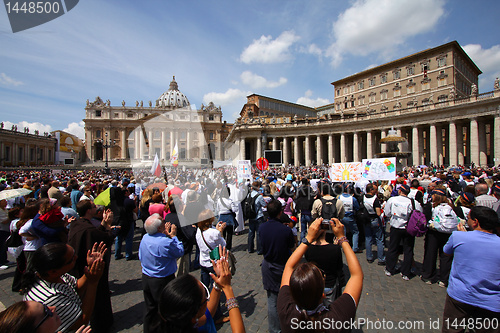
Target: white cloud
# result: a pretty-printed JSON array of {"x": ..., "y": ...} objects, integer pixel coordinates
[
  {"x": 314, "y": 49},
  {"x": 31, "y": 126},
  {"x": 77, "y": 129},
  {"x": 228, "y": 97},
  {"x": 370, "y": 26},
  {"x": 255, "y": 81},
  {"x": 266, "y": 50},
  {"x": 488, "y": 60},
  {"x": 8, "y": 81},
  {"x": 308, "y": 101}
]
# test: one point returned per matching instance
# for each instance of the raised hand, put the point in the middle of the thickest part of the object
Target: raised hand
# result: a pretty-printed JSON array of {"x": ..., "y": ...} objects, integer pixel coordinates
[
  {"x": 221, "y": 268},
  {"x": 97, "y": 252},
  {"x": 170, "y": 230},
  {"x": 94, "y": 272}
]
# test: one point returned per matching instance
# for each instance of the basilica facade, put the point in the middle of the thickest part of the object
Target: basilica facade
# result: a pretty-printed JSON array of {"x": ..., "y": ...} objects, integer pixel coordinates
[
  {"x": 430, "y": 98},
  {"x": 138, "y": 133}
]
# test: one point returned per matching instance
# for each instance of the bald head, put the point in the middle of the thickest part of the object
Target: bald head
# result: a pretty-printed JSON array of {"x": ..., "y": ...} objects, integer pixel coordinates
[
  {"x": 153, "y": 224},
  {"x": 481, "y": 189}
]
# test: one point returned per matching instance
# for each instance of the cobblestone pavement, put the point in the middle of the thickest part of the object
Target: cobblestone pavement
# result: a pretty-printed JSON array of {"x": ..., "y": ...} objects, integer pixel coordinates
[{"x": 386, "y": 301}]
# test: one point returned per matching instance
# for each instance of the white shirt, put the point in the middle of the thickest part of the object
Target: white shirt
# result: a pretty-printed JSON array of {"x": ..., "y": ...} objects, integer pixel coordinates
[
  {"x": 29, "y": 245},
  {"x": 213, "y": 238},
  {"x": 398, "y": 209}
]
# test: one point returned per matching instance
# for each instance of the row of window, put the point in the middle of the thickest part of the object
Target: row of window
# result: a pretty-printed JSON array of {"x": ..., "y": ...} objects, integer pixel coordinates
[
  {"x": 20, "y": 154},
  {"x": 396, "y": 75},
  {"x": 410, "y": 89},
  {"x": 361, "y": 101},
  {"x": 98, "y": 114}
]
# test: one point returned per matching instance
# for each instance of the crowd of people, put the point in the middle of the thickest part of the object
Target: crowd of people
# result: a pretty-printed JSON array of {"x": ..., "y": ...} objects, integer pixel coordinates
[{"x": 62, "y": 233}]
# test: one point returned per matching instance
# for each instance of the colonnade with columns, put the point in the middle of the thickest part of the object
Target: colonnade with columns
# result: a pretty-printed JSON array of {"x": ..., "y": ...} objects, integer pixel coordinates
[{"x": 447, "y": 142}]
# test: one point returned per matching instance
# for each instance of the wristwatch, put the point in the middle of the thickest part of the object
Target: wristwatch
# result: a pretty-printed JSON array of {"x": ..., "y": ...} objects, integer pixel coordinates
[{"x": 305, "y": 241}]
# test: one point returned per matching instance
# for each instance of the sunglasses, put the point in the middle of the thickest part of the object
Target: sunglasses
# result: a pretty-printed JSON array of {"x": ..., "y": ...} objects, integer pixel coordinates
[
  {"x": 207, "y": 292},
  {"x": 47, "y": 313}
]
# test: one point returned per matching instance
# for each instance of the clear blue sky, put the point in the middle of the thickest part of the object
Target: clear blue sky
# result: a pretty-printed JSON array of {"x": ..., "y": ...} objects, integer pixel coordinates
[{"x": 222, "y": 51}]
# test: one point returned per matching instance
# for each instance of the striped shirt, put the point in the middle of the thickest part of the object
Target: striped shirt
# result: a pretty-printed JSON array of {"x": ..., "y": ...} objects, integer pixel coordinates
[{"x": 61, "y": 295}]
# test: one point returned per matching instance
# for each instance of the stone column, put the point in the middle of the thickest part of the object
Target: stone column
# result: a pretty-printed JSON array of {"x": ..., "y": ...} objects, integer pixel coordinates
[
  {"x": 123, "y": 143},
  {"x": 433, "y": 145},
  {"x": 188, "y": 144},
  {"x": 275, "y": 143},
  {"x": 308, "y": 150},
  {"x": 440, "y": 149},
  {"x": 369, "y": 147},
  {"x": 483, "y": 157},
  {"x": 163, "y": 154},
  {"x": 383, "y": 147},
  {"x": 415, "y": 152},
  {"x": 331, "y": 158},
  {"x": 342, "y": 148},
  {"x": 88, "y": 142},
  {"x": 319, "y": 150},
  {"x": 151, "y": 150},
  {"x": 286, "y": 158},
  {"x": 296, "y": 152},
  {"x": 141, "y": 145},
  {"x": 172, "y": 142},
  {"x": 355, "y": 147},
  {"x": 474, "y": 142},
  {"x": 452, "y": 134},
  {"x": 137, "y": 132},
  {"x": 461, "y": 144},
  {"x": 242, "y": 148},
  {"x": 496, "y": 144},
  {"x": 259, "y": 148}
]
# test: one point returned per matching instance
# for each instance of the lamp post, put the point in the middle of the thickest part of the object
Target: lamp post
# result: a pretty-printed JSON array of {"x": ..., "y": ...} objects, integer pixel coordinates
[{"x": 106, "y": 144}]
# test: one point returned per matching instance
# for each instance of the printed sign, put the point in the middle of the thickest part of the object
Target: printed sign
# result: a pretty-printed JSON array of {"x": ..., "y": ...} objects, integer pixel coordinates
[
  {"x": 244, "y": 170},
  {"x": 345, "y": 172},
  {"x": 379, "y": 168}
]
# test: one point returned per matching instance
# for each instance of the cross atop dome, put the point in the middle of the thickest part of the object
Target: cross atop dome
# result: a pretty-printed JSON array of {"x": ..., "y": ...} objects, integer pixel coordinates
[{"x": 173, "y": 84}]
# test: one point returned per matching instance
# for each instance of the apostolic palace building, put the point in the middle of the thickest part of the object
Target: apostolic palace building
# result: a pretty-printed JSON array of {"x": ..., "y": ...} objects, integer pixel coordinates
[{"x": 430, "y": 98}]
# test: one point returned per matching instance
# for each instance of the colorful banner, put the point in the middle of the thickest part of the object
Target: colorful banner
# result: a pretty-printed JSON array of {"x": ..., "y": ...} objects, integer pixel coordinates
[
  {"x": 379, "y": 168},
  {"x": 345, "y": 172}
]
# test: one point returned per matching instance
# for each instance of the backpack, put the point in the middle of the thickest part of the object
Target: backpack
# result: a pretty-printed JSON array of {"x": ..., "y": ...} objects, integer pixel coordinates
[
  {"x": 248, "y": 205},
  {"x": 417, "y": 223},
  {"x": 329, "y": 208},
  {"x": 362, "y": 215}
]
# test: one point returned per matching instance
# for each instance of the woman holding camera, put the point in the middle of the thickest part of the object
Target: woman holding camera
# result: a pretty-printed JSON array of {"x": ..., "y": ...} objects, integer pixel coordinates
[{"x": 302, "y": 287}]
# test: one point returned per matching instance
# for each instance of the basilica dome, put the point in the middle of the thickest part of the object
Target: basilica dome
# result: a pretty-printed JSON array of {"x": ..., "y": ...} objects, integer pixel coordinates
[{"x": 173, "y": 97}]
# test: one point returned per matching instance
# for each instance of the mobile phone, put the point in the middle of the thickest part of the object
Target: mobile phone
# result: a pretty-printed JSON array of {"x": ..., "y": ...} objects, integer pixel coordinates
[
  {"x": 214, "y": 254},
  {"x": 325, "y": 224}
]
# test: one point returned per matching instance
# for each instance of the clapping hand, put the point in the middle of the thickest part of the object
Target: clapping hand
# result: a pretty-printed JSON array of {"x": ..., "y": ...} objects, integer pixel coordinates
[
  {"x": 170, "y": 230},
  {"x": 107, "y": 217},
  {"x": 221, "y": 268},
  {"x": 97, "y": 252}
]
